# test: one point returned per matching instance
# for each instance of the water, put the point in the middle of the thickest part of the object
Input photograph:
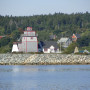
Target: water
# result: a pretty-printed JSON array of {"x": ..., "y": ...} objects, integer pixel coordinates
[{"x": 45, "y": 77}]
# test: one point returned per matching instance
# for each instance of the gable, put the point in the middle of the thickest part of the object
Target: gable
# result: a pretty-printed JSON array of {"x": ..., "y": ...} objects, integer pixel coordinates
[{"x": 48, "y": 44}]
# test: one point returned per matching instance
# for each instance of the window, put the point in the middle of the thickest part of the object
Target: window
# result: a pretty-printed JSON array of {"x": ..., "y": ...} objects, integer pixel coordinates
[{"x": 31, "y": 37}]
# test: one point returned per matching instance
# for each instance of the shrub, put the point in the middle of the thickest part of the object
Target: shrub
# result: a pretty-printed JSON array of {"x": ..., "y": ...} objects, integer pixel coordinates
[{"x": 70, "y": 48}]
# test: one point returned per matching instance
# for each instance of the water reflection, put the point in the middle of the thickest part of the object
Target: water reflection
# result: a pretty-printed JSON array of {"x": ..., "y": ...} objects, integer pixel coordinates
[
  {"x": 15, "y": 69},
  {"x": 38, "y": 69},
  {"x": 49, "y": 77}
]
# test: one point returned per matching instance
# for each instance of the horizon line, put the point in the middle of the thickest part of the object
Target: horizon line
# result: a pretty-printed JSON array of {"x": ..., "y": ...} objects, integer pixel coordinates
[{"x": 44, "y": 14}]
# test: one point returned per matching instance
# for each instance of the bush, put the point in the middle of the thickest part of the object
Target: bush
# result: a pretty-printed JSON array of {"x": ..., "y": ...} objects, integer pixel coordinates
[{"x": 70, "y": 48}]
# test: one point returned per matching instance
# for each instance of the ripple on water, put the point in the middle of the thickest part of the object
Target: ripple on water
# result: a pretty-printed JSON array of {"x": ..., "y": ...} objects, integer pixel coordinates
[{"x": 45, "y": 77}]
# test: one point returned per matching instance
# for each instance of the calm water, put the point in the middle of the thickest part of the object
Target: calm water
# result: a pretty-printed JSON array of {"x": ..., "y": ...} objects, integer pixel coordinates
[{"x": 49, "y": 77}]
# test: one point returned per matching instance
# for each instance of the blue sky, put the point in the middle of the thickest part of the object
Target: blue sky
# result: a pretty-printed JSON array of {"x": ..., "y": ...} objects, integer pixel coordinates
[{"x": 37, "y": 7}]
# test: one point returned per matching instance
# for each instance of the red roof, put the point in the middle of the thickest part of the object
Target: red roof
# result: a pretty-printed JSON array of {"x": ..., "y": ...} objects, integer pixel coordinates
[
  {"x": 74, "y": 36},
  {"x": 29, "y": 28},
  {"x": 1, "y": 37}
]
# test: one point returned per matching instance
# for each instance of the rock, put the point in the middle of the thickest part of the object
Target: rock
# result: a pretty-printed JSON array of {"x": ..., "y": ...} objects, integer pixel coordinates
[{"x": 23, "y": 59}]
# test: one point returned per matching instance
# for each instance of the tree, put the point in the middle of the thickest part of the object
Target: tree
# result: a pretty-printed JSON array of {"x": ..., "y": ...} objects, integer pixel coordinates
[
  {"x": 70, "y": 48},
  {"x": 58, "y": 23},
  {"x": 84, "y": 40},
  {"x": 15, "y": 35},
  {"x": 4, "y": 41}
]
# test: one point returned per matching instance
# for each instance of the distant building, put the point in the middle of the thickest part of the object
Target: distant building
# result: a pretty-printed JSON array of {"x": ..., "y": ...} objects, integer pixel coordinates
[
  {"x": 1, "y": 37},
  {"x": 75, "y": 37},
  {"x": 28, "y": 42},
  {"x": 52, "y": 37},
  {"x": 64, "y": 42},
  {"x": 86, "y": 51},
  {"x": 50, "y": 47}
]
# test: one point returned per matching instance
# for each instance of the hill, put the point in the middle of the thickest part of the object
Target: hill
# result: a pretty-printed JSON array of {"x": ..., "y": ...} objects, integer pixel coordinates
[{"x": 59, "y": 24}]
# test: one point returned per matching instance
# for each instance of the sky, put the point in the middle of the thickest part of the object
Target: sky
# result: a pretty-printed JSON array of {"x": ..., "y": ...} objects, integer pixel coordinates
[{"x": 38, "y": 7}]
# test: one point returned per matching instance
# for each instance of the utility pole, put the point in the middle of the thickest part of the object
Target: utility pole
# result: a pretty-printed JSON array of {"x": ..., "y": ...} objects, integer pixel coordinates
[
  {"x": 60, "y": 47},
  {"x": 59, "y": 44}
]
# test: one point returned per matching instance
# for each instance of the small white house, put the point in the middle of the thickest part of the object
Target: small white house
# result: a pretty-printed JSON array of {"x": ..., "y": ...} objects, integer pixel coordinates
[
  {"x": 64, "y": 42},
  {"x": 50, "y": 47}
]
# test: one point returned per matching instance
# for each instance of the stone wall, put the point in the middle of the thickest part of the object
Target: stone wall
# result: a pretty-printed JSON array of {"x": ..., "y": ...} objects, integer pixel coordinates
[{"x": 39, "y": 59}]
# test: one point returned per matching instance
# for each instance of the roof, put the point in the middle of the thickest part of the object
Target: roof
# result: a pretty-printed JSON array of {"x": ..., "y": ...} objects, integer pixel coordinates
[
  {"x": 29, "y": 28},
  {"x": 39, "y": 46},
  {"x": 52, "y": 36},
  {"x": 76, "y": 35},
  {"x": 86, "y": 51},
  {"x": 47, "y": 44},
  {"x": 63, "y": 39},
  {"x": 1, "y": 37}
]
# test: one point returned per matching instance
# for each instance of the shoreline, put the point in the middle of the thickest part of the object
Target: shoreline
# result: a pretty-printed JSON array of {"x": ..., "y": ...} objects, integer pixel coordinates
[
  {"x": 48, "y": 64},
  {"x": 44, "y": 59}
]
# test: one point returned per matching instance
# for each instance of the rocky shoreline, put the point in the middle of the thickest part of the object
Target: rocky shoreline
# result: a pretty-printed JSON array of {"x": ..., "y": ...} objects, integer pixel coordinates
[{"x": 43, "y": 59}]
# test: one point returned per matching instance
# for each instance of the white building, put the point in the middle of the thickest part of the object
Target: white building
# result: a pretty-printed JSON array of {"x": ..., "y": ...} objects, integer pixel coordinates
[
  {"x": 50, "y": 47},
  {"x": 64, "y": 42},
  {"x": 28, "y": 42}
]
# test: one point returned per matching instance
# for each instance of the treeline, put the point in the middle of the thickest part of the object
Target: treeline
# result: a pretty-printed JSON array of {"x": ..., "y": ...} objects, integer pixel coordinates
[{"x": 59, "y": 23}]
